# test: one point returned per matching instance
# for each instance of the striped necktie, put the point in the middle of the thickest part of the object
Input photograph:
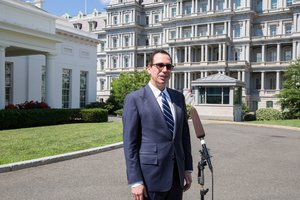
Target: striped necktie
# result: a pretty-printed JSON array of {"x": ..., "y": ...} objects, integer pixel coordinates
[{"x": 167, "y": 113}]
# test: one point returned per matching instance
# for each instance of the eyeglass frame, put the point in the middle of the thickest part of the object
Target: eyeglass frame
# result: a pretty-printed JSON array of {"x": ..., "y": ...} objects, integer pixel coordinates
[{"x": 161, "y": 66}]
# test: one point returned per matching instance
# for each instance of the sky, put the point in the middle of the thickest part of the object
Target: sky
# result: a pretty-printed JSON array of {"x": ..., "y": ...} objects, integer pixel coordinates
[{"x": 72, "y": 7}]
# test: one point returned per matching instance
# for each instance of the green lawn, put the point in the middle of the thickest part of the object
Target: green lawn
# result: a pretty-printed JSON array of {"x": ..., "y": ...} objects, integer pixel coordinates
[
  {"x": 30, "y": 143},
  {"x": 292, "y": 123}
]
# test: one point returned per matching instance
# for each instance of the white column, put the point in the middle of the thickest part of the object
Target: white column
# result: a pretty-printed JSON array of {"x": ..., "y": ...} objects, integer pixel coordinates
[
  {"x": 189, "y": 54},
  {"x": 185, "y": 54},
  {"x": 202, "y": 53},
  {"x": 243, "y": 76},
  {"x": 206, "y": 53},
  {"x": 220, "y": 52},
  {"x": 189, "y": 80},
  {"x": 263, "y": 53},
  {"x": 173, "y": 80},
  {"x": 2, "y": 77},
  {"x": 185, "y": 80},
  {"x": 209, "y": 5},
  {"x": 224, "y": 52},
  {"x": 262, "y": 80},
  {"x": 239, "y": 75},
  {"x": 294, "y": 50},
  {"x": 278, "y": 53},
  {"x": 277, "y": 80},
  {"x": 50, "y": 81}
]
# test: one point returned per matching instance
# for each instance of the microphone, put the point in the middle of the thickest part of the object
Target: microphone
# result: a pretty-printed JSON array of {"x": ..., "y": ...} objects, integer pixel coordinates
[{"x": 200, "y": 134}]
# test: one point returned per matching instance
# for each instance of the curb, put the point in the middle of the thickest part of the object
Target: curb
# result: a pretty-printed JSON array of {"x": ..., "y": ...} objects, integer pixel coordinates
[
  {"x": 57, "y": 158},
  {"x": 249, "y": 124}
]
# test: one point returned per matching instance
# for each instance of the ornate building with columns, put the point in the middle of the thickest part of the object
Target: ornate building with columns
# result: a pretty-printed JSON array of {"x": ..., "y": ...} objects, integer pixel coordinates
[
  {"x": 44, "y": 58},
  {"x": 249, "y": 40}
]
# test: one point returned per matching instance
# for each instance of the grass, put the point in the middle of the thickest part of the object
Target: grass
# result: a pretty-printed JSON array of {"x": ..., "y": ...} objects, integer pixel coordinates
[
  {"x": 30, "y": 143},
  {"x": 292, "y": 122}
]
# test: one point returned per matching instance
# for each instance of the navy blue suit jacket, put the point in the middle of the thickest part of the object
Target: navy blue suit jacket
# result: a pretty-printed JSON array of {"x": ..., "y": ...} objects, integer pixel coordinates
[{"x": 150, "y": 149}]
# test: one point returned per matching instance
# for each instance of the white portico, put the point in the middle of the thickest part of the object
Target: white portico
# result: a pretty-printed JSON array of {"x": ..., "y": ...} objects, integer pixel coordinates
[{"x": 37, "y": 49}]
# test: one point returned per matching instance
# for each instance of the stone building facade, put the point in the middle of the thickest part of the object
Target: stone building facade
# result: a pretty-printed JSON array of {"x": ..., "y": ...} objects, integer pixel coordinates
[{"x": 250, "y": 40}]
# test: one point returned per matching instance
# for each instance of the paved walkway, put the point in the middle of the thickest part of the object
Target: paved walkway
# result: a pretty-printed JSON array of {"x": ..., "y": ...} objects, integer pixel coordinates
[{"x": 250, "y": 163}]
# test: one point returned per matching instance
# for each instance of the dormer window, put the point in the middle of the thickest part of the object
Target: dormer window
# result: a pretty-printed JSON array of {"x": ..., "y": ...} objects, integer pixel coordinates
[
  {"x": 92, "y": 25},
  {"x": 78, "y": 26}
]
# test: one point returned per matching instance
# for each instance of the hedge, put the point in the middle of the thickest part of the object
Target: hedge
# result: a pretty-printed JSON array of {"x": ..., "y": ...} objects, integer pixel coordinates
[
  {"x": 94, "y": 115},
  {"x": 16, "y": 118},
  {"x": 268, "y": 114}
]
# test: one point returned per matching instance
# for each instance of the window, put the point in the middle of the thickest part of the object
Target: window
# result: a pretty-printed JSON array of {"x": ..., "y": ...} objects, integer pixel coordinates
[
  {"x": 214, "y": 95},
  {"x": 187, "y": 32},
  {"x": 8, "y": 83},
  {"x": 188, "y": 9},
  {"x": 83, "y": 88},
  {"x": 203, "y": 7},
  {"x": 289, "y": 2},
  {"x": 147, "y": 20},
  {"x": 126, "y": 19},
  {"x": 269, "y": 104},
  {"x": 147, "y": 42},
  {"x": 219, "y": 30},
  {"x": 156, "y": 19},
  {"x": 273, "y": 55},
  {"x": 237, "y": 4},
  {"x": 102, "y": 63},
  {"x": 115, "y": 42},
  {"x": 114, "y": 62},
  {"x": 258, "y": 57},
  {"x": 272, "y": 83},
  {"x": 220, "y": 5},
  {"x": 173, "y": 12},
  {"x": 126, "y": 62},
  {"x": 43, "y": 86},
  {"x": 115, "y": 20},
  {"x": 172, "y": 35},
  {"x": 288, "y": 29},
  {"x": 273, "y": 4},
  {"x": 92, "y": 25},
  {"x": 273, "y": 30},
  {"x": 258, "y": 31},
  {"x": 237, "y": 31},
  {"x": 102, "y": 47},
  {"x": 126, "y": 41},
  {"x": 237, "y": 54},
  {"x": 102, "y": 83},
  {"x": 66, "y": 88},
  {"x": 78, "y": 26},
  {"x": 259, "y": 6},
  {"x": 202, "y": 31},
  {"x": 257, "y": 83},
  {"x": 287, "y": 54},
  {"x": 155, "y": 40}
]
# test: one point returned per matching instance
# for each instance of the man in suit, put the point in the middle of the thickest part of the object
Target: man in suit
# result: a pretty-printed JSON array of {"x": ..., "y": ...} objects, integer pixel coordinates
[{"x": 156, "y": 136}]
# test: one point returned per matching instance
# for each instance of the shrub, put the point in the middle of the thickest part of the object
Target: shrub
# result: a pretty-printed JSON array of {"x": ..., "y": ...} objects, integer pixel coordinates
[
  {"x": 245, "y": 108},
  {"x": 104, "y": 105},
  {"x": 268, "y": 114},
  {"x": 119, "y": 112},
  {"x": 188, "y": 110},
  {"x": 94, "y": 115},
  {"x": 22, "y": 118},
  {"x": 249, "y": 117},
  {"x": 28, "y": 105}
]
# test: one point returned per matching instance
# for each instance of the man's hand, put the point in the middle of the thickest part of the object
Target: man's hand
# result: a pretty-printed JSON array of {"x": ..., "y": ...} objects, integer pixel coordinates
[
  {"x": 139, "y": 192},
  {"x": 188, "y": 180}
]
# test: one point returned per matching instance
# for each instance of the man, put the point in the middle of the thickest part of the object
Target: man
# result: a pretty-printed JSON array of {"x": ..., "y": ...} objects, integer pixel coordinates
[{"x": 156, "y": 136}]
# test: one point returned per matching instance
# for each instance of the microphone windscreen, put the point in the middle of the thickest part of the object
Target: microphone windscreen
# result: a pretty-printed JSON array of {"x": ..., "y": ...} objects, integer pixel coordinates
[{"x": 197, "y": 123}]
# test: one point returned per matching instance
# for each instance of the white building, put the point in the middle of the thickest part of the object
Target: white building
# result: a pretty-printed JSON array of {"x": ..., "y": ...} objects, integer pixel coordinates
[
  {"x": 250, "y": 40},
  {"x": 44, "y": 58}
]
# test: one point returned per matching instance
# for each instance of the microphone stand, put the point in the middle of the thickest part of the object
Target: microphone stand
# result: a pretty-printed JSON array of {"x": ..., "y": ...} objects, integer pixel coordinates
[{"x": 201, "y": 166}]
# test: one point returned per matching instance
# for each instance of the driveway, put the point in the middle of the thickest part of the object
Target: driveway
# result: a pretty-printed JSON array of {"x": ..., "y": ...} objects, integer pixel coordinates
[{"x": 250, "y": 163}]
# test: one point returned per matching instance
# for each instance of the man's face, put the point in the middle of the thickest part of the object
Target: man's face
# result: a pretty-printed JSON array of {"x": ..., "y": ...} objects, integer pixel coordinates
[{"x": 159, "y": 77}]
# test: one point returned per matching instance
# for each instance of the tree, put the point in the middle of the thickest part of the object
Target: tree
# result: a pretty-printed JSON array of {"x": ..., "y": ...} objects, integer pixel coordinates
[
  {"x": 126, "y": 83},
  {"x": 290, "y": 94}
]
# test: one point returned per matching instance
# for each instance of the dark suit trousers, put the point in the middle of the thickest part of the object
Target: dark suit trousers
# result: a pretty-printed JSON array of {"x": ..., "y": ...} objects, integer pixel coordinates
[{"x": 175, "y": 193}]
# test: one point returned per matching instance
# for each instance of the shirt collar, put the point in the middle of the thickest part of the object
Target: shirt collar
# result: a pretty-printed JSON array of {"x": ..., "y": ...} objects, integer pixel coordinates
[{"x": 156, "y": 91}]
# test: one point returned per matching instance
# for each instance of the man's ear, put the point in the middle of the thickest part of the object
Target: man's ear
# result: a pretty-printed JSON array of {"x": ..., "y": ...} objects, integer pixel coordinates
[{"x": 148, "y": 68}]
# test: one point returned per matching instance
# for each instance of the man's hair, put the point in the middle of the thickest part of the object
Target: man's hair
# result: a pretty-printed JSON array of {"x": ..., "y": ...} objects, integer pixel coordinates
[{"x": 156, "y": 52}]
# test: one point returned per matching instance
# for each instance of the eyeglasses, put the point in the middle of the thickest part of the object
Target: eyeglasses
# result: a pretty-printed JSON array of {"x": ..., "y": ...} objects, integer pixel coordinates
[{"x": 160, "y": 66}]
